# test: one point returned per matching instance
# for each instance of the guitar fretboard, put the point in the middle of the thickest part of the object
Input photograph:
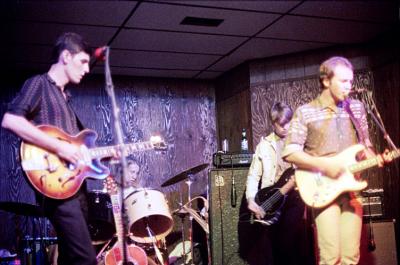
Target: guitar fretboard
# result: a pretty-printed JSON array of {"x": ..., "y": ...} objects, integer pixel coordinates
[
  {"x": 117, "y": 215},
  {"x": 108, "y": 151},
  {"x": 369, "y": 163}
]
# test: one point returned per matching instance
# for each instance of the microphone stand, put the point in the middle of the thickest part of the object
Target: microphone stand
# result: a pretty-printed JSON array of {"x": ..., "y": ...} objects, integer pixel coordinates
[
  {"x": 371, "y": 107},
  {"x": 373, "y": 111},
  {"x": 121, "y": 148},
  {"x": 189, "y": 182}
]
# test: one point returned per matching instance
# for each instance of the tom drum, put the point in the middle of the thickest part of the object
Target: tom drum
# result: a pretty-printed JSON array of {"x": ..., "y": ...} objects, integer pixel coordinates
[{"x": 148, "y": 208}]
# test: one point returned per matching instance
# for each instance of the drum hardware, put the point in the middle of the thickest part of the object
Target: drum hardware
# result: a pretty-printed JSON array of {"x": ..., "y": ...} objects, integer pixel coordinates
[
  {"x": 36, "y": 249},
  {"x": 188, "y": 175},
  {"x": 101, "y": 254},
  {"x": 178, "y": 254},
  {"x": 182, "y": 212},
  {"x": 154, "y": 241},
  {"x": 187, "y": 210}
]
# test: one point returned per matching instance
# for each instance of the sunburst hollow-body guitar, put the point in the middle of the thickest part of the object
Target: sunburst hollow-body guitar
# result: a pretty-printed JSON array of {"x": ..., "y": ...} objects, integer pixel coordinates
[{"x": 59, "y": 179}]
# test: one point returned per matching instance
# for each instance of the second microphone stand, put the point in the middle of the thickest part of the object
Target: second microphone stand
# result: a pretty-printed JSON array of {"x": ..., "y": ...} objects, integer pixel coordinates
[{"x": 373, "y": 111}]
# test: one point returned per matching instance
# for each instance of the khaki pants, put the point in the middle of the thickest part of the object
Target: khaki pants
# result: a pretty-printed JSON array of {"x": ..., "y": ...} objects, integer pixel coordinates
[{"x": 339, "y": 231}]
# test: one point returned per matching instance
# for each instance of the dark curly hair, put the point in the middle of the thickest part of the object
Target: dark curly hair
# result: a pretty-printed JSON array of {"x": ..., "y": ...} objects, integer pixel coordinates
[{"x": 72, "y": 42}]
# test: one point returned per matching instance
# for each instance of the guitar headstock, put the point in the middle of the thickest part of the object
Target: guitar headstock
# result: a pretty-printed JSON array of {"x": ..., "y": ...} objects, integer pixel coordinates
[
  {"x": 110, "y": 185},
  {"x": 158, "y": 143}
]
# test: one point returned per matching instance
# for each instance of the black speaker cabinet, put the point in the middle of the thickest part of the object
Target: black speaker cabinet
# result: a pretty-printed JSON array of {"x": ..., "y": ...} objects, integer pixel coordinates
[
  {"x": 224, "y": 214},
  {"x": 385, "y": 253}
]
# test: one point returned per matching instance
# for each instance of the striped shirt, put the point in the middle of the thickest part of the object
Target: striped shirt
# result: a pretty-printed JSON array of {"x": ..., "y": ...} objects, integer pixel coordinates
[
  {"x": 42, "y": 102},
  {"x": 319, "y": 130}
]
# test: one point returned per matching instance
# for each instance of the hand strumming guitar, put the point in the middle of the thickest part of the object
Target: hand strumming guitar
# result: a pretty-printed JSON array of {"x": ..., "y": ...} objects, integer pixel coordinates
[
  {"x": 69, "y": 152},
  {"x": 255, "y": 208}
]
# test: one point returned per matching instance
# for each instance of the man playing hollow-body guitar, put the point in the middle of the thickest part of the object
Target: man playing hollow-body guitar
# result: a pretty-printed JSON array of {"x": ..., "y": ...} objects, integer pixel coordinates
[
  {"x": 280, "y": 240},
  {"x": 43, "y": 100}
]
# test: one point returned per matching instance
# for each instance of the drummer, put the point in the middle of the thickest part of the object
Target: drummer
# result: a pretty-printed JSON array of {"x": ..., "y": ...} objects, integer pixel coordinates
[{"x": 132, "y": 181}]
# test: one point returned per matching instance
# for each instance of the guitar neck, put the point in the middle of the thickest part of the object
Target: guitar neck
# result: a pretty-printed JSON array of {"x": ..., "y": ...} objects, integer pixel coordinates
[
  {"x": 115, "y": 201},
  {"x": 109, "y": 151},
  {"x": 371, "y": 162}
]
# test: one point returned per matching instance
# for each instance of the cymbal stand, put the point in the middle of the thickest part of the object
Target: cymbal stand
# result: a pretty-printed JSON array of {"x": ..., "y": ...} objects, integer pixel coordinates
[
  {"x": 182, "y": 217},
  {"x": 189, "y": 182}
]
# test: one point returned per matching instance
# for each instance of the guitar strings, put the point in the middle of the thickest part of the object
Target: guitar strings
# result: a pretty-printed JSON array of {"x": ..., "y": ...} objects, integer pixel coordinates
[{"x": 271, "y": 201}]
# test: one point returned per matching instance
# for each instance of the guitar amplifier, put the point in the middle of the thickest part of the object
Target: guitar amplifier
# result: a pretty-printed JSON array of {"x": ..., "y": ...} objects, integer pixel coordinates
[
  {"x": 227, "y": 160},
  {"x": 372, "y": 202},
  {"x": 225, "y": 241}
]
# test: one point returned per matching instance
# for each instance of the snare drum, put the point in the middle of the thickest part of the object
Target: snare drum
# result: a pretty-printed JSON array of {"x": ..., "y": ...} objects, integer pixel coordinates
[
  {"x": 101, "y": 218},
  {"x": 147, "y": 207}
]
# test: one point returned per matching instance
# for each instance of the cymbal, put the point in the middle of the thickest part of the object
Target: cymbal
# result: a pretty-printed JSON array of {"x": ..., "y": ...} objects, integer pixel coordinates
[{"x": 184, "y": 175}]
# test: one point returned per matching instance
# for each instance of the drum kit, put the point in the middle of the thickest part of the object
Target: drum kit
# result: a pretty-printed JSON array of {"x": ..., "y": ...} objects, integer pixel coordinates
[{"x": 149, "y": 219}]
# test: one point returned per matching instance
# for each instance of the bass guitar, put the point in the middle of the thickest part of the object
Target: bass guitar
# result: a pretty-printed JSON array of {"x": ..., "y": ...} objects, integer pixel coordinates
[
  {"x": 318, "y": 190},
  {"x": 272, "y": 199},
  {"x": 135, "y": 255},
  {"x": 59, "y": 179}
]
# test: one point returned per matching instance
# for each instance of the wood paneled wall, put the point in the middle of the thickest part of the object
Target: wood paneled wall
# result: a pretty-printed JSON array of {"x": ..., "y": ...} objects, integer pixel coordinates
[
  {"x": 234, "y": 107},
  {"x": 182, "y": 112}
]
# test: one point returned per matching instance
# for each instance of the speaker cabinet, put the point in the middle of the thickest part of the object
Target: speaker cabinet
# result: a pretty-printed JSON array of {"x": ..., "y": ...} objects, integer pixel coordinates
[
  {"x": 224, "y": 214},
  {"x": 385, "y": 253}
]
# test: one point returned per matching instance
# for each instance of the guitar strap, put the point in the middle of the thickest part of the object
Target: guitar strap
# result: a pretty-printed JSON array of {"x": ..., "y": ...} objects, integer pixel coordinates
[{"x": 360, "y": 133}]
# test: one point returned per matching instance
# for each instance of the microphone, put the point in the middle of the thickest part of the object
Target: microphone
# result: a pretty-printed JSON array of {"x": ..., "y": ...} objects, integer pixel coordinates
[
  {"x": 371, "y": 245},
  {"x": 100, "y": 53},
  {"x": 233, "y": 193},
  {"x": 371, "y": 240},
  {"x": 358, "y": 91}
]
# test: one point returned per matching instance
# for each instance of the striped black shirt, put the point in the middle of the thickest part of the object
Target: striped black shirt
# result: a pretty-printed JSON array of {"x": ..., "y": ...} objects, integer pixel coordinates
[{"x": 42, "y": 102}]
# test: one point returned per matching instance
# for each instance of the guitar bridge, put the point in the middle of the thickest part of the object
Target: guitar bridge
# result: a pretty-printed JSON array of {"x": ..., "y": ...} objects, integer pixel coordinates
[{"x": 318, "y": 179}]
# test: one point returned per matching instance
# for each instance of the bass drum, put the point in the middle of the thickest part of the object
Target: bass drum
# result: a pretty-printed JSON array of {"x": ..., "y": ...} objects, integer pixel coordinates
[
  {"x": 101, "y": 219},
  {"x": 147, "y": 208},
  {"x": 135, "y": 255}
]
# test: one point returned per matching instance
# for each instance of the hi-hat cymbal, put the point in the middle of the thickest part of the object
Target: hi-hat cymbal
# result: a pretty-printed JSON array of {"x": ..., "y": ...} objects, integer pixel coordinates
[{"x": 184, "y": 175}]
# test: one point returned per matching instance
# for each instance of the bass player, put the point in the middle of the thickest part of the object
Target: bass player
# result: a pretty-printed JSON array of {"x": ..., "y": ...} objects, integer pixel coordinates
[{"x": 278, "y": 243}]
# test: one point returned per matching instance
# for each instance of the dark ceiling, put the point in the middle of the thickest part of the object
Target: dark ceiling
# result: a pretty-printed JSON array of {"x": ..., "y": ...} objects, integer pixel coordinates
[{"x": 148, "y": 39}]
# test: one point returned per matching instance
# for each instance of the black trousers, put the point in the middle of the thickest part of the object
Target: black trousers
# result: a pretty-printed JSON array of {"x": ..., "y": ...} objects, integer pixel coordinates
[
  {"x": 74, "y": 243},
  {"x": 279, "y": 244},
  {"x": 289, "y": 235}
]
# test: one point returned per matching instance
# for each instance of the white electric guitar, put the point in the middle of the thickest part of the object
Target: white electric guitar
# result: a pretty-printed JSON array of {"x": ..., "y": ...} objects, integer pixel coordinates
[{"x": 318, "y": 190}]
